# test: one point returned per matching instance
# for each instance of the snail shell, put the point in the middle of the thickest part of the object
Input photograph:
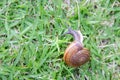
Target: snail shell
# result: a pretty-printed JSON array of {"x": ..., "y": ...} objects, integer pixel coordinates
[{"x": 76, "y": 55}]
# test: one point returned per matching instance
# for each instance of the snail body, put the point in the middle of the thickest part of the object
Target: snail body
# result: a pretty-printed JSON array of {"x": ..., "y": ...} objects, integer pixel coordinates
[{"x": 75, "y": 54}]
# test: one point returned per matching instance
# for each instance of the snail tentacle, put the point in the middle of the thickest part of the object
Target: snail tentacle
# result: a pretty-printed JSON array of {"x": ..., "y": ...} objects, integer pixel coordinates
[{"x": 76, "y": 34}]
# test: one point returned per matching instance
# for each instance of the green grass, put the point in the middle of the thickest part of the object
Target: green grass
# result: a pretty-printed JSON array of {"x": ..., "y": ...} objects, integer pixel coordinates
[{"x": 31, "y": 45}]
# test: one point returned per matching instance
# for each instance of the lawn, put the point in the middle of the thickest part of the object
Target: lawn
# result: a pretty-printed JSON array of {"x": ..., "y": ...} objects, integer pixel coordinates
[{"x": 32, "y": 45}]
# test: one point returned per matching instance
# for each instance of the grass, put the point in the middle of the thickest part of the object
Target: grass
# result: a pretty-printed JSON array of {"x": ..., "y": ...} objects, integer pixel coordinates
[{"x": 31, "y": 45}]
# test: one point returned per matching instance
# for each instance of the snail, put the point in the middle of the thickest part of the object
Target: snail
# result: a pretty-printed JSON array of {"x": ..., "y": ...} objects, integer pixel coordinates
[{"x": 75, "y": 54}]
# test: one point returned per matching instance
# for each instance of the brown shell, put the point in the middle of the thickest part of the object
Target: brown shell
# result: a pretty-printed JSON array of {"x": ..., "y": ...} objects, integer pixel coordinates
[{"x": 75, "y": 55}]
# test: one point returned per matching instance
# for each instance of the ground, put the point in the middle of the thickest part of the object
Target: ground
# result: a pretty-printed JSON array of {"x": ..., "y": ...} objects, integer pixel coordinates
[{"x": 32, "y": 45}]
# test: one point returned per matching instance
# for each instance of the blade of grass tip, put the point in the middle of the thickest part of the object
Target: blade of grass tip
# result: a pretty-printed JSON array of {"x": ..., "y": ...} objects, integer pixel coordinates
[
  {"x": 43, "y": 54},
  {"x": 3, "y": 77},
  {"x": 42, "y": 60},
  {"x": 107, "y": 3},
  {"x": 11, "y": 75},
  {"x": 25, "y": 30},
  {"x": 38, "y": 76},
  {"x": 33, "y": 30},
  {"x": 16, "y": 73},
  {"x": 7, "y": 28},
  {"x": 57, "y": 44},
  {"x": 79, "y": 15},
  {"x": 18, "y": 57},
  {"x": 14, "y": 23},
  {"x": 69, "y": 72}
]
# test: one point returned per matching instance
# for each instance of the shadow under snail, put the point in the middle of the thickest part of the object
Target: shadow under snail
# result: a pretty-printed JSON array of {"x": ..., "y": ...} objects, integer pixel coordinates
[{"x": 76, "y": 55}]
